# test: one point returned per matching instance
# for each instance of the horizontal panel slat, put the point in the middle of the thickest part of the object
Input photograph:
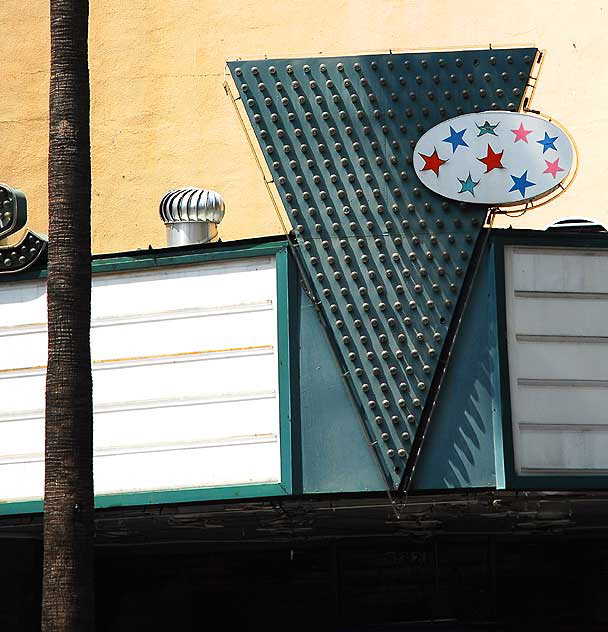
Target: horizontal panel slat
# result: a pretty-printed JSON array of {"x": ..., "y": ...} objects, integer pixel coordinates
[
  {"x": 555, "y": 360},
  {"x": 186, "y": 376},
  {"x": 151, "y": 471},
  {"x": 149, "y": 448},
  {"x": 229, "y": 331},
  {"x": 545, "y": 339},
  {"x": 149, "y": 337},
  {"x": 567, "y": 270},
  {"x": 131, "y": 424},
  {"x": 22, "y": 303},
  {"x": 560, "y": 317},
  {"x": 207, "y": 285},
  {"x": 21, "y": 481},
  {"x": 210, "y": 467},
  {"x": 538, "y": 404},
  {"x": 228, "y": 283},
  {"x": 585, "y": 449}
]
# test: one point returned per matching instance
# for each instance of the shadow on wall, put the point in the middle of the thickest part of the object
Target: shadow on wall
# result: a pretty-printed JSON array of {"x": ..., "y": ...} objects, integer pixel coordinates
[{"x": 459, "y": 449}]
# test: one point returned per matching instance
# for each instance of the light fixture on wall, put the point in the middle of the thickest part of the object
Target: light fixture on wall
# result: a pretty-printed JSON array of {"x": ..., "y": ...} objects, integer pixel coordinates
[
  {"x": 576, "y": 225},
  {"x": 13, "y": 217}
]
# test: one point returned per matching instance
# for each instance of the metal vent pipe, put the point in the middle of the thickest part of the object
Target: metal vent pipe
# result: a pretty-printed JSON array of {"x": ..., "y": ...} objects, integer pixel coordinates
[{"x": 191, "y": 215}]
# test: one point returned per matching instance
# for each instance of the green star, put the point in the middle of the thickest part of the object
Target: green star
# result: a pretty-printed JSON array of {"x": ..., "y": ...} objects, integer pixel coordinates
[
  {"x": 486, "y": 128},
  {"x": 468, "y": 185}
]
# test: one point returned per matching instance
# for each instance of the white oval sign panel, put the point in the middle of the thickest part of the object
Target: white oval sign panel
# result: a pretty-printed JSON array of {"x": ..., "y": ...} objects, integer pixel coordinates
[{"x": 495, "y": 158}]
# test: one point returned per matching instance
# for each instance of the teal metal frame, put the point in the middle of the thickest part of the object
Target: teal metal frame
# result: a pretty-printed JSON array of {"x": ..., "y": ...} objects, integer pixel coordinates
[
  {"x": 286, "y": 291},
  {"x": 512, "y": 480},
  {"x": 498, "y": 410}
]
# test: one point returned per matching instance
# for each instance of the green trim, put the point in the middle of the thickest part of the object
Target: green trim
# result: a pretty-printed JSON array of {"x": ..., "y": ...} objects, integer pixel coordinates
[
  {"x": 171, "y": 257},
  {"x": 518, "y": 237},
  {"x": 503, "y": 384},
  {"x": 497, "y": 387},
  {"x": 502, "y": 238},
  {"x": 185, "y": 255},
  {"x": 285, "y": 363},
  {"x": 160, "y": 497},
  {"x": 189, "y": 495},
  {"x": 286, "y": 279},
  {"x": 21, "y": 507},
  {"x": 559, "y": 483},
  {"x": 295, "y": 300}
]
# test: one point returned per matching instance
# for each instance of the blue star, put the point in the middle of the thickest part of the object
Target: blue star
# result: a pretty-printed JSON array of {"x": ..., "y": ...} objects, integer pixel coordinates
[
  {"x": 547, "y": 142},
  {"x": 521, "y": 184},
  {"x": 467, "y": 186},
  {"x": 455, "y": 138}
]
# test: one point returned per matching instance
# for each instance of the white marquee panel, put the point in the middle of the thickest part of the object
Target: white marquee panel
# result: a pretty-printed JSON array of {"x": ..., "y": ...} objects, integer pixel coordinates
[
  {"x": 557, "y": 315},
  {"x": 185, "y": 374}
]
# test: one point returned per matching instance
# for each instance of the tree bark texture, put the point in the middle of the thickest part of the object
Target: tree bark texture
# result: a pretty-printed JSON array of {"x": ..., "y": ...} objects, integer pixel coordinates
[{"x": 68, "y": 601}]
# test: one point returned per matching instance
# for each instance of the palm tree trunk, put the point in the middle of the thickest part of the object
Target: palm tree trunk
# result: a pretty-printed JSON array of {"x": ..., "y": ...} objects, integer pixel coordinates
[{"x": 67, "y": 601}]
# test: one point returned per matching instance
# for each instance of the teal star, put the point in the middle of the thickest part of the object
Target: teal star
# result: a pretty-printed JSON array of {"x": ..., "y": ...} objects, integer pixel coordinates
[
  {"x": 468, "y": 185},
  {"x": 486, "y": 128}
]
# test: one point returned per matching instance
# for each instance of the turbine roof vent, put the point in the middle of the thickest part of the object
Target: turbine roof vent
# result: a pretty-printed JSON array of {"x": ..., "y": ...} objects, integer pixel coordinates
[
  {"x": 192, "y": 204},
  {"x": 191, "y": 215}
]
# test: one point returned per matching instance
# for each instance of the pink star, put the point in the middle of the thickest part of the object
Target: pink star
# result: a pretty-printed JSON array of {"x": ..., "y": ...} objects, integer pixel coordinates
[
  {"x": 553, "y": 167},
  {"x": 521, "y": 133}
]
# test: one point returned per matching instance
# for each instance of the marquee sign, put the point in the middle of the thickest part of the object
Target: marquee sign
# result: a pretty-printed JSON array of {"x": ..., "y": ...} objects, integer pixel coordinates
[
  {"x": 494, "y": 158},
  {"x": 13, "y": 217},
  {"x": 384, "y": 258}
]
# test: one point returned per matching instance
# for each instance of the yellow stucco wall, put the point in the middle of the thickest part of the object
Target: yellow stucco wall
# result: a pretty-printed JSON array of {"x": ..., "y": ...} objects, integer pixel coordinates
[{"x": 161, "y": 118}]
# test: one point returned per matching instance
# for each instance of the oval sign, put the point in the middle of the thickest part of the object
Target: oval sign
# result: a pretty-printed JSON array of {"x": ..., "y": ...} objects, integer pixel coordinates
[{"x": 495, "y": 158}]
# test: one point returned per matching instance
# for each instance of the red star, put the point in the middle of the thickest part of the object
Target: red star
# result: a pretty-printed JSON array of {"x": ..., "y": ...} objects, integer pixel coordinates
[
  {"x": 432, "y": 162},
  {"x": 521, "y": 133},
  {"x": 553, "y": 167},
  {"x": 492, "y": 160}
]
